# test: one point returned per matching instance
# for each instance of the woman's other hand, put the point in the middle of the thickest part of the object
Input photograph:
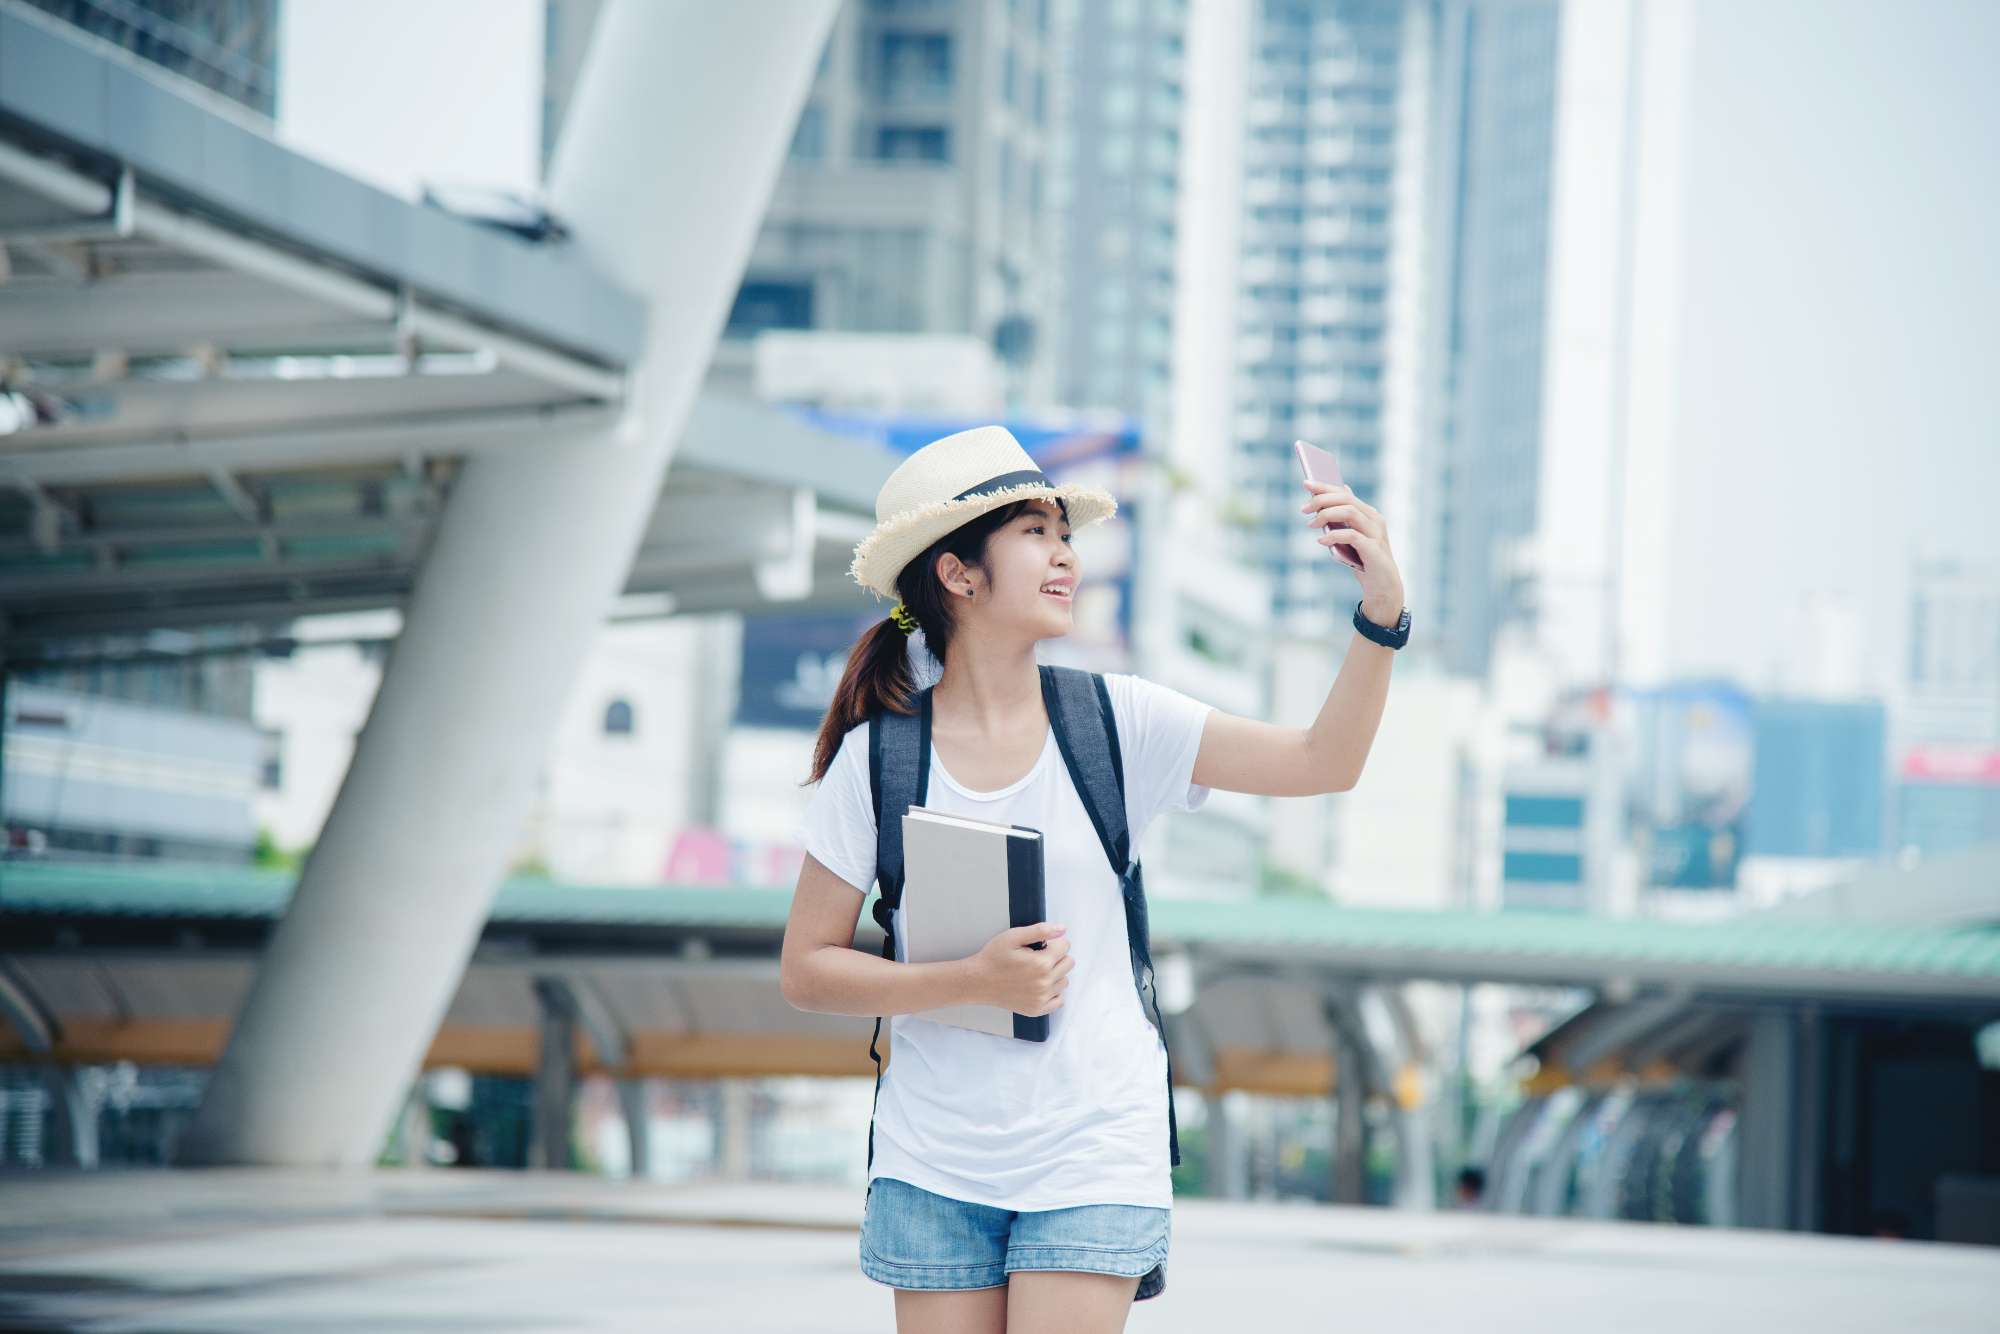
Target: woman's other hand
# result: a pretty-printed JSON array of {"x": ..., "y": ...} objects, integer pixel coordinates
[{"x": 1015, "y": 976}]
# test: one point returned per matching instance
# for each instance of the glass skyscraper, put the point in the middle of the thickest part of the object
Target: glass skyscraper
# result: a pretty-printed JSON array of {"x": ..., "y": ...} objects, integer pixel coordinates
[
  {"x": 1319, "y": 164},
  {"x": 1120, "y": 176},
  {"x": 1491, "y": 134},
  {"x": 917, "y": 198}
]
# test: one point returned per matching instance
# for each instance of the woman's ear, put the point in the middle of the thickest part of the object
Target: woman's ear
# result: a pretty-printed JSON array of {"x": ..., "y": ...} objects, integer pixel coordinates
[{"x": 951, "y": 572}]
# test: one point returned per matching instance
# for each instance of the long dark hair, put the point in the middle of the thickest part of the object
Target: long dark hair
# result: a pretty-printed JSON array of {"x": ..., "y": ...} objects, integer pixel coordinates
[{"x": 877, "y": 675}]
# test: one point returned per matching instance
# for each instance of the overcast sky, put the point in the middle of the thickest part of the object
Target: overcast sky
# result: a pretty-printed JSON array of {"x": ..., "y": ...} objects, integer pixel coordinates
[
  {"x": 1841, "y": 405},
  {"x": 400, "y": 91}
]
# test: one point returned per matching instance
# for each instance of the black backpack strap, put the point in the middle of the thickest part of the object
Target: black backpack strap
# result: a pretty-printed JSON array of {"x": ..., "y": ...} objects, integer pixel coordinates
[
  {"x": 1087, "y": 735},
  {"x": 899, "y": 772},
  {"x": 899, "y": 767},
  {"x": 1079, "y": 705}
]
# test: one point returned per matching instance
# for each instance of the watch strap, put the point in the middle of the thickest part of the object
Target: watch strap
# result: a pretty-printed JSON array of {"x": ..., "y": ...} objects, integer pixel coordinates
[{"x": 1388, "y": 636}]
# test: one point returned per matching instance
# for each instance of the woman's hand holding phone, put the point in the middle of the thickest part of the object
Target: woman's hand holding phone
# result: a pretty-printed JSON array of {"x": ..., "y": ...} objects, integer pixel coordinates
[
  {"x": 1354, "y": 532},
  {"x": 1319, "y": 466}
]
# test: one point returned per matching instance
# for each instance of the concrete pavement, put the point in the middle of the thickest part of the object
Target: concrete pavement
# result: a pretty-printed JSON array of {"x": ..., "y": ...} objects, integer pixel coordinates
[{"x": 264, "y": 1249}]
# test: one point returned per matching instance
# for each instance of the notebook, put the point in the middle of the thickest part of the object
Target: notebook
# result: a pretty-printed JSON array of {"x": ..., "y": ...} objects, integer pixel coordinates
[{"x": 964, "y": 882}]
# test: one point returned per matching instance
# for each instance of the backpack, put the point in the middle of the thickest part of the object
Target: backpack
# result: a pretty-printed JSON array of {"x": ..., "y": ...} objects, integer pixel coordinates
[{"x": 899, "y": 763}]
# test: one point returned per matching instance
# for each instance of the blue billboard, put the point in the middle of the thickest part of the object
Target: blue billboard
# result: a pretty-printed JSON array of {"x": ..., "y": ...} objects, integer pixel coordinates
[
  {"x": 1819, "y": 786},
  {"x": 1691, "y": 758},
  {"x": 792, "y": 664}
]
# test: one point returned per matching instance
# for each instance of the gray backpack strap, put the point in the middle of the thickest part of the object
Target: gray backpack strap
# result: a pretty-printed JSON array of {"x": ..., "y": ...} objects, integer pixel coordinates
[
  {"x": 899, "y": 774},
  {"x": 1086, "y": 729}
]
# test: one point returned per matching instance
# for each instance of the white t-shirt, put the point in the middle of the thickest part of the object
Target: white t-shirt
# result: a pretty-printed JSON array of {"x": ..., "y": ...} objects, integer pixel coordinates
[{"x": 1082, "y": 1117}]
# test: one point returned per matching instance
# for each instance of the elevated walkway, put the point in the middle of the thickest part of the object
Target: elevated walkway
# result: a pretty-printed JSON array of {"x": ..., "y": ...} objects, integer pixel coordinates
[{"x": 147, "y": 962}]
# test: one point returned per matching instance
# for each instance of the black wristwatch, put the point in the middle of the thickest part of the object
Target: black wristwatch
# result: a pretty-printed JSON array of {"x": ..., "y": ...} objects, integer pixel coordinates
[{"x": 1390, "y": 637}]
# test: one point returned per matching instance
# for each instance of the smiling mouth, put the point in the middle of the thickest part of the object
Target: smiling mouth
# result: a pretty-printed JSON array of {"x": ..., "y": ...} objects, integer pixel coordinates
[{"x": 1060, "y": 595}]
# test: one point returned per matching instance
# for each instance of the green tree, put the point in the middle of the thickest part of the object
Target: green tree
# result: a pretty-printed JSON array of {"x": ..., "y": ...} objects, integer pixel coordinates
[
  {"x": 1274, "y": 881},
  {"x": 267, "y": 855}
]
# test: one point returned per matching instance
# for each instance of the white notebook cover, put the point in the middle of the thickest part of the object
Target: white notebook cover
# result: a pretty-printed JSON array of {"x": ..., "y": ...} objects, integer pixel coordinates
[{"x": 955, "y": 900}]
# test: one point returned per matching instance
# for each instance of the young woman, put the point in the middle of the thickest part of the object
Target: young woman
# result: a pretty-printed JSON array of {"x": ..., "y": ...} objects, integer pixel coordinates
[{"x": 1022, "y": 1186}]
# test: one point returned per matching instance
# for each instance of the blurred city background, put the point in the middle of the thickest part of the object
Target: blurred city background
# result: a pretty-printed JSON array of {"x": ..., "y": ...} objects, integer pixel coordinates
[{"x": 433, "y": 436}]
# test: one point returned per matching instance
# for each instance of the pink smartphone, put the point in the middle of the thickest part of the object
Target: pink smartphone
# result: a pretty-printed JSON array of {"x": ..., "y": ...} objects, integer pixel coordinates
[{"x": 1319, "y": 465}]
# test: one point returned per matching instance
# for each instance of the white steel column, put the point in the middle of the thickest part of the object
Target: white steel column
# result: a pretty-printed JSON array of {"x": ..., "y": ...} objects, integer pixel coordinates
[{"x": 669, "y": 154}]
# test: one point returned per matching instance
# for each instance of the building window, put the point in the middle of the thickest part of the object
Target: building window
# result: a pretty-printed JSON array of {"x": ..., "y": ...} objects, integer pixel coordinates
[
  {"x": 809, "y": 139},
  {"x": 618, "y": 718},
  {"x": 762, "y": 304},
  {"x": 913, "y": 143},
  {"x": 916, "y": 66}
]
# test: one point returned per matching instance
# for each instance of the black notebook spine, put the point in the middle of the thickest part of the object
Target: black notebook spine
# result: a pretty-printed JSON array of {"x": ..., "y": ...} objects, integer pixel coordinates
[{"x": 1027, "y": 904}]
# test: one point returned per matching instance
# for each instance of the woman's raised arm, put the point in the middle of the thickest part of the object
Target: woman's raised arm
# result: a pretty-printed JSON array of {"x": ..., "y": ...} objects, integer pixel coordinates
[{"x": 1244, "y": 755}]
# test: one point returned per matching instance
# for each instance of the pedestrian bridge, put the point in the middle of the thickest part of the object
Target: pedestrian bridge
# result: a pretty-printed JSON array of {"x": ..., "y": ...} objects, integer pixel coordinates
[
  {"x": 1289, "y": 997},
  {"x": 148, "y": 963}
]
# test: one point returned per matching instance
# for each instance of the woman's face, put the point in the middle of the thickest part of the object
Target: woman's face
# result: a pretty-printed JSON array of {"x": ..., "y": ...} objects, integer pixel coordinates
[{"x": 1028, "y": 553}]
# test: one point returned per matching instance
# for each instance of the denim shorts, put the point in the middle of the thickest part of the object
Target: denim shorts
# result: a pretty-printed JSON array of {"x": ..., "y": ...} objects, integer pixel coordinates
[{"x": 913, "y": 1238}]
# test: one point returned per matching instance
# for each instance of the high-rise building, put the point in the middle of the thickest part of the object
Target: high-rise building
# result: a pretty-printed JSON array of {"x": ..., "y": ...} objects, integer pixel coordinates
[
  {"x": 1318, "y": 177},
  {"x": 1120, "y": 179},
  {"x": 917, "y": 197},
  {"x": 1279, "y": 332},
  {"x": 1490, "y": 139},
  {"x": 566, "y": 31},
  {"x": 1953, "y": 679},
  {"x": 1947, "y": 723}
]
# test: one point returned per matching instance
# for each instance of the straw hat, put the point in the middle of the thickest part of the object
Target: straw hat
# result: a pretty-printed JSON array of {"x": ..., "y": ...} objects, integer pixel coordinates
[{"x": 947, "y": 483}]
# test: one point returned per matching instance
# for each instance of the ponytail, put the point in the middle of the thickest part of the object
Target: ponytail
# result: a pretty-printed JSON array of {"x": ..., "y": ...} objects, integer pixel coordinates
[{"x": 878, "y": 675}]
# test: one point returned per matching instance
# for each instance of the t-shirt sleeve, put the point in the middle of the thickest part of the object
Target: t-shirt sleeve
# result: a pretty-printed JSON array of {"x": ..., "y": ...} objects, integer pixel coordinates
[
  {"x": 1159, "y": 736},
  {"x": 839, "y": 825}
]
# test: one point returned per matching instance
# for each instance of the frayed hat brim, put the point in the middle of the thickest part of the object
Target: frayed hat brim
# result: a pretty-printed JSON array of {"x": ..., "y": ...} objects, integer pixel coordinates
[{"x": 881, "y": 556}]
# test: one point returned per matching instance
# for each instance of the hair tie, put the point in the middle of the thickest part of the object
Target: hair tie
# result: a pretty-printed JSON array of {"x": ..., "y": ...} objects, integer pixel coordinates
[{"x": 905, "y": 619}]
